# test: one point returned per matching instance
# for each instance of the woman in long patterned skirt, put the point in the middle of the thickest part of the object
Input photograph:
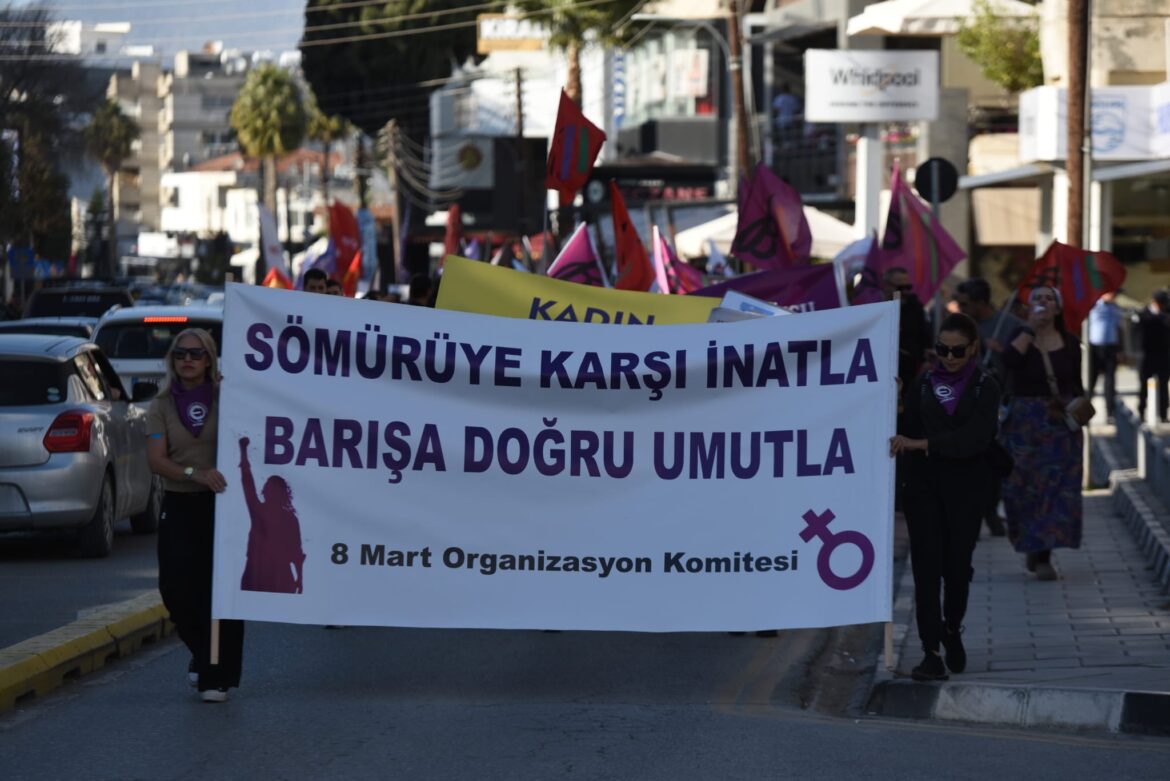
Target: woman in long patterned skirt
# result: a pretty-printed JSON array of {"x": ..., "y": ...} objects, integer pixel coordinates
[{"x": 1042, "y": 497}]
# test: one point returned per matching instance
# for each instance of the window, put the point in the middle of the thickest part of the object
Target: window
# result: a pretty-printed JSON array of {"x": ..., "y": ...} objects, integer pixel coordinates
[
  {"x": 28, "y": 383},
  {"x": 138, "y": 340},
  {"x": 91, "y": 376}
]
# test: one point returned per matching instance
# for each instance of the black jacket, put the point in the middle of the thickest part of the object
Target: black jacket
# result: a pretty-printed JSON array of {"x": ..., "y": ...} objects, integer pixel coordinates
[{"x": 962, "y": 438}]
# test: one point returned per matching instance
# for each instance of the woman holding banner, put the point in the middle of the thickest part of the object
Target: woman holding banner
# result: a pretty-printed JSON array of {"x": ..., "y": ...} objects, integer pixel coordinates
[
  {"x": 1042, "y": 496},
  {"x": 950, "y": 417},
  {"x": 182, "y": 429}
]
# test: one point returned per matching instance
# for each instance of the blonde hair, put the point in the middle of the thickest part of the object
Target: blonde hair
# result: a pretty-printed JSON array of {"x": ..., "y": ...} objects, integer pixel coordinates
[{"x": 212, "y": 371}]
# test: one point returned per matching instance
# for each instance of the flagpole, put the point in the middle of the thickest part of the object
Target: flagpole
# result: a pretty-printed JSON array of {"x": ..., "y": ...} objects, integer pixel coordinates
[{"x": 1003, "y": 312}]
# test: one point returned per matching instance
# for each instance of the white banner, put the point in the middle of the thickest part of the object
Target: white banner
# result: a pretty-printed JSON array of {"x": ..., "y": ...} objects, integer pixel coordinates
[
  {"x": 425, "y": 468},
  {"x": 852, "y": 85}
]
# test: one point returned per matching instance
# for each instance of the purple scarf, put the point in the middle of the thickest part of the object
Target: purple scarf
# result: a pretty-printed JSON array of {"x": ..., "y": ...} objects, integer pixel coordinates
[
  {"x": 949, "y": 386},
  {"x": 194, "y": 405}
]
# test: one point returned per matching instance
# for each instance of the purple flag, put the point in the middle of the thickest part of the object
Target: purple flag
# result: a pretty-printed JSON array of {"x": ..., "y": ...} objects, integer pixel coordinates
[
  {"x": 802, "y": 289},
  {"x": 671, "y": 274},
  {"x": 578, "y": 262},
  {"x": 324, "y": 258},
  {"x": 866, "y": 258},
  {"x": 772, "y": 231},
  {"x": 916, "y": 241}
]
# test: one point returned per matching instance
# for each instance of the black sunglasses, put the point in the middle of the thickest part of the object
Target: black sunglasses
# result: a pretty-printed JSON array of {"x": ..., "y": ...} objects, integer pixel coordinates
[
  {"x": 943, "y": 351},
  {"x": 194, "y": 353}
]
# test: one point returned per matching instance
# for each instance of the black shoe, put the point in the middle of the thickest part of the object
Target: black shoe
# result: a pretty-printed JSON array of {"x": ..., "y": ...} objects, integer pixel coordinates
[
  {"x": 1031, "y": 560},
  {"x": 956, "y": 655},
  {"x": 931, "y": 669},
  {"x": 995, "y": 526}
]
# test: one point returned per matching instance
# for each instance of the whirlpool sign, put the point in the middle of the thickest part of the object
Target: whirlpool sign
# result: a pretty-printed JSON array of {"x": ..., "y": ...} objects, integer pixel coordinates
[{"x": 870, "y": 86}]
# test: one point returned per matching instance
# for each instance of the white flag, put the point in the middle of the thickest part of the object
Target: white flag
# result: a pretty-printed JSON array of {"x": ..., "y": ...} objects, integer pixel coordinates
[{"x": 270, "y": 240}]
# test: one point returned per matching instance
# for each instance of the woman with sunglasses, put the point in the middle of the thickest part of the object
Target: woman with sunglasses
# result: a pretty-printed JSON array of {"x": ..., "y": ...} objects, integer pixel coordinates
[
  {"x": 950, "y": 417},
  {"x": 182, "y": 428},
  {"x": 1042, "y": 496}
]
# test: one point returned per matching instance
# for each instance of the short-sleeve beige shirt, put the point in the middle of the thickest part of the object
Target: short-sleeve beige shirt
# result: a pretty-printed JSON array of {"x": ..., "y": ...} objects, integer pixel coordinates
[{"x": 183, "y": 448}]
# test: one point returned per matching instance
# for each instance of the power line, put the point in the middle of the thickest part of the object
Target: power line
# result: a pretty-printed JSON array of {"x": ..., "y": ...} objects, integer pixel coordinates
[
  {"x": 330, "y": 41},
  {"x": 266, "y": 14}
]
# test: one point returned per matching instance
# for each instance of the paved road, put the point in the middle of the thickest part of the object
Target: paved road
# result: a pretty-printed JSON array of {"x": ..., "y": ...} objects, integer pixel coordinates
[
  {"x": 45, "y": 584},
  {"x": 394, "y": 703}
]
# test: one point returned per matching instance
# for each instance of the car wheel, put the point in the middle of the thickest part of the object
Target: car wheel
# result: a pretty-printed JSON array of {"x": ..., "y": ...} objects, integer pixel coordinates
[
  {"x": 96, "y": 538},
  {"x": 146, "y": 522}
]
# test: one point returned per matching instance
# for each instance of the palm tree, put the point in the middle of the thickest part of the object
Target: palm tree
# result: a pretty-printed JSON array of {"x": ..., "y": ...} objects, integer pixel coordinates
[
  {"x": 569, "y": 24},
  {"x": 109, "y": 138},
  {"x": 324, "y": 129},
  {"x": 269, "y": 119}
]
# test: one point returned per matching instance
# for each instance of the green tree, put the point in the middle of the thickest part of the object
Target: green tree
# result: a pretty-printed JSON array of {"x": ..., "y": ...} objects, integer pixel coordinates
[
  {"x": 41, "y": 98},
  {"x": 269, "y": 119},
  {"x": 570, "y": 25},
  {"x": 324, "y": 129},
  {"x": 379, "y": 69},
  {"x": 1007, "y": 48},
  {"x": 109, "y": 138}
]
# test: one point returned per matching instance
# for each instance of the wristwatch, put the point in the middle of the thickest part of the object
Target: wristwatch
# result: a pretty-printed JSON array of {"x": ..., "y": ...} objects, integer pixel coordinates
[{"x": 189, "y": 472}]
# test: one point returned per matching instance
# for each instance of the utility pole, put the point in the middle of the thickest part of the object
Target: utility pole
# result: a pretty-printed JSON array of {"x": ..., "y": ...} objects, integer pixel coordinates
[
  {"x": 1078, "y": 48},
  {"x": 735, "y": 67},
  {"x": 521, "y": 157},
  {"x": 389, "y": 134}
]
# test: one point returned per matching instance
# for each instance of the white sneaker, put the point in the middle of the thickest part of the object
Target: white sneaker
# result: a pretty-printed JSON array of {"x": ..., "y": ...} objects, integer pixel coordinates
[{"x": 214, "y": 695}]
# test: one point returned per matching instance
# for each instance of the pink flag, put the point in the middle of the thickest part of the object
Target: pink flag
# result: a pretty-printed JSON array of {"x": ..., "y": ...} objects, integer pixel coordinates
[
  {"x": 671, "y": 274},
  {"x": 578, "y": 262},
  {"x": 772, "y": 231},
  {"x": 916, "y": 241}
]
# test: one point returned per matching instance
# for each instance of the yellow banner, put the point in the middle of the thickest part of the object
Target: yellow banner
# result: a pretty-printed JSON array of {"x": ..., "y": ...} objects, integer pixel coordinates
[{"x": 472, "y": 286}]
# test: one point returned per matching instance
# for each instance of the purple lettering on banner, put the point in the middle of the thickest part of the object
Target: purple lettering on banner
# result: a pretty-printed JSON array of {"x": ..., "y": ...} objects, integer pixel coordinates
[
  {"x": 331, "y": 357},
  {"x": 473, "y": 437},
  {"x": 475, "y": 359},
  {"x": 777, "y": 439},
  {"x": 261, "y": 357},
  {"x": 551, "y": 366},
  {"x": 278, "y": 447},
  {"x": 312, "y": 444},
  {"x": 802, "y": 349},
  {"x": 539, "y": 310},
  {"x": 862, "y": 365},
  {"x": 772, "y": 367},
  {"x": 507, "y": 358},
  {"x": 406, "y": 352},
  {"x": 347, "y": 435},
  {"x": 827, "y": 375},
  {"x": 590, "y": 370},
  {"x": 818, "y": 526}
]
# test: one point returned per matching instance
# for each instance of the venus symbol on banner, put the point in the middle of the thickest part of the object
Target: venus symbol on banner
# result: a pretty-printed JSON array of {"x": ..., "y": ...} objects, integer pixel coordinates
[{"x": 818, "y": 526}]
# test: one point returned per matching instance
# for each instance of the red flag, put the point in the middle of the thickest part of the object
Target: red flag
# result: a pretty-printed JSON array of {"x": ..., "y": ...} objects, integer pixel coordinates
[
  {"x": 277, "y": 278},
  {"x": 916, "y": 241},
  {"x": 1080, "y": 276},
  {"x": 347, "y": 240},
  {"x": 454, "y": 232},
  {"x": 349, "y": 280},
  {"x": 634, "y": 271},
  {"x": 772, "y": 231},
  {"x": 575, "y": 144}
]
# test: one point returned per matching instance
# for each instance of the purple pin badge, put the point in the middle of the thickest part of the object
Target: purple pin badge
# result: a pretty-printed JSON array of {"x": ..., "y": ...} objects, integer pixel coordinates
[{"x": 818, "y": 526}]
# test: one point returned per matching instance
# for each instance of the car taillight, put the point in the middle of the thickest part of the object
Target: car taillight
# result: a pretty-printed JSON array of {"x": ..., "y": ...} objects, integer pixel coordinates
[{"x": 69, "y": 432}]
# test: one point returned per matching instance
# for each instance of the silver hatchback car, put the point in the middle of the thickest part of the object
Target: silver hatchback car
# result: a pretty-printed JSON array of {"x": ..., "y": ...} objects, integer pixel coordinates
[{"x": 72, "y": 445}]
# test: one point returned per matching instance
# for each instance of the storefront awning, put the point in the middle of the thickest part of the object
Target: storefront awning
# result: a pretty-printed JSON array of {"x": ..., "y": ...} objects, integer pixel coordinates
[
  {"x": 926, "y": 17},
  {"x": 829, "y": 235}
]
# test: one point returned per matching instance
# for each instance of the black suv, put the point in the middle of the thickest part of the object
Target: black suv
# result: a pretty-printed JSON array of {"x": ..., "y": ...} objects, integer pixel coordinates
[{"x": 92, "y": 301}]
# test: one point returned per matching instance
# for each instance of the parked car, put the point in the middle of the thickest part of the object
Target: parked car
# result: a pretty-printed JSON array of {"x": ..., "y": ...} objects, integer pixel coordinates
[
  {"x": 81, "y": 327},
  {"x": 136, "y": 339},
  {"x": 72, "y": 445},
  {"x": 73, "y": 301}
]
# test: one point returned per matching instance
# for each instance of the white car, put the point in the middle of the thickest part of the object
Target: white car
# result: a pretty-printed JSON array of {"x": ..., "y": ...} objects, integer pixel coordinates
[{"x": 135, "y": 339}]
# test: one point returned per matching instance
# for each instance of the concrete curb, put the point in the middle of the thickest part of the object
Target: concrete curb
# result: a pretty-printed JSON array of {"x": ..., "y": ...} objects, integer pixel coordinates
[
  {"x": 1136, "y": 713},
  {"x": 34, "y": 667},
  {"x": 1131, "y": 712}
]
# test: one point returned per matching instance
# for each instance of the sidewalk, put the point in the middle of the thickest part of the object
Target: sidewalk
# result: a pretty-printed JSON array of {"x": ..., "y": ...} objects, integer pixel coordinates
[{"x": 1089, "y": 651}]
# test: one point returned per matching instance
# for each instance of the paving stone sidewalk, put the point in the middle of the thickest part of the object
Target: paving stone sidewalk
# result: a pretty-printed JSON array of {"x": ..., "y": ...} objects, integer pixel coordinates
[{"x": 1104, "y": 625}]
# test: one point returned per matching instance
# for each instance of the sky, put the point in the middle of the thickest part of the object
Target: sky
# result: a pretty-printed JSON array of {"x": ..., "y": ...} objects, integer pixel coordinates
[{"x": 174, "y": 25}]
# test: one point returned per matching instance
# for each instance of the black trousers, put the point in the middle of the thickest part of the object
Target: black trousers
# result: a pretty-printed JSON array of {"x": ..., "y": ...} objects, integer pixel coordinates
[
  {"x": 943, "y": 514},
  {"x": 1162, "y": 377},
  {"x": 1103, "y": 363},
  {"x": 185, "y": 537}
]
